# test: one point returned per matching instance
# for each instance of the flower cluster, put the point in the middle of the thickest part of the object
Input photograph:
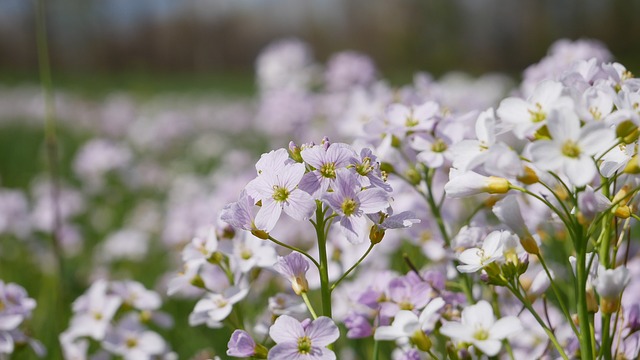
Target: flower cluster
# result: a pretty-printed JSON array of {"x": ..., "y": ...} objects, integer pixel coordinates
[
  {"x": 15, "y": 308},
  {"x": 116, "y": 315}
]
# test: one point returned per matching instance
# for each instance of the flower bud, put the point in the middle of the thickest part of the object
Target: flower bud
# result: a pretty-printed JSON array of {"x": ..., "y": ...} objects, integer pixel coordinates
[
  {"x": 294, "y": 152},
  {"x": 421, "y": 340},
  {"x": 528, "y": 177},
  {"x": 530, "y": 245},
  {"x": 627, "y": 131},
  {"x": 623, "y": 212},
  {"x": 633, "y": 167},
  {"x": 498, "y": 185},
  {"x": 413, "y": 175},
  {"x": 376, "y": 234},
  {"x": 260, "y": 234}
]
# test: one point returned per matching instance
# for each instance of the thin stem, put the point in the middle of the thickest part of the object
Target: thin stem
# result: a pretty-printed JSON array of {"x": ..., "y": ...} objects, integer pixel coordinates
[
  {"x": 544, "y": 326},
  {"x": 605, "y": 346},
  {"x": 293, "y": 248},
  {"x": 583, "y": 311},
  {"x": 309, "y": 306},
  {"x": 434, "y": 357},
  {"x": 353, "y": 267},
  {"x": 376, "y": 349},
  {"x": 325, "y": 289},
  {"x": 435, "y": 210},
  {"x": 556, "y": 292}
]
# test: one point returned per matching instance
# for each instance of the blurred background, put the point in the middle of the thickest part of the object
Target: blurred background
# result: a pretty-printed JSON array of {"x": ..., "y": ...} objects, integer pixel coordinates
[
  {"x": 122, "y": 37},
  {"x": 160, "y": 119}
]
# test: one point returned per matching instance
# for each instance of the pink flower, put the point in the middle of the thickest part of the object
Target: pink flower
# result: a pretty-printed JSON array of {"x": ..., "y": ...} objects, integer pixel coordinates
[{"x": 303, "y": 341}]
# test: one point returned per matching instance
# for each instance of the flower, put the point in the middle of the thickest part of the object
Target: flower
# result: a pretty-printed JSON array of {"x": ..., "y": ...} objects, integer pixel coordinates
[
  {"x": 277, "y": 188},
  {"x": 242, "y": 345},
  {"x": 214, "y": 308},
  {"x": 132, "y": 341},
  {"x": 462, "y": 184},
  {"x": 571, "y": 147},
  {"x": 475, "y": 259},
  {"x": 295, "y": 340},
  {"x": 294, "y": 267},
  {"x": 326, "y": 159},
  {"x": 609, "y": 285},
  {"x": 350, "y": 204},
  {"x": 479, "y": 327},
  {"x": 408, "y": 326}
]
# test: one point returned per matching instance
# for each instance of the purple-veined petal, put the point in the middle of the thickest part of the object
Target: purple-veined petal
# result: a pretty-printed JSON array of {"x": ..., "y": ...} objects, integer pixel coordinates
[
  {"x": 299, "y": 205},
  {"x": 322, "y": 331},
  {"x": 373, "y": 200},
  {"x": 286, "y": 330},
  {"x": 268, "y": 215}
]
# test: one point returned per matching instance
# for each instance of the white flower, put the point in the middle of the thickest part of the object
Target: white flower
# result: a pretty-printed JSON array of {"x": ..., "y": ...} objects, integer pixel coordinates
[
  {"x": 462, "y": 184},
  {"x": 475, "y": 259},
  {"x": 480, "y": 328},
  {"x": 571, "y": 148},
  {"x": 610, "y": 282}
]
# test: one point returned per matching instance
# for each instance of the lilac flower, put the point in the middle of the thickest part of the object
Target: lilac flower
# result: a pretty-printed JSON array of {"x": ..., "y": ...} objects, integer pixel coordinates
[
  {"x": 94, "y": 311},
  {"x": 358, "y": 326},
  {"x": 278, "y": 190},
  {"x": 240, "y": 215},
  {"x": 15, "y": 307},
  {"x": 132, "y": 341},
  {"x": 200, "y": 248},
  {"x": 480, "y": 328},
  {"x": 295, "y": 340},
  {"x": 326, "y": 161},
  {"x": 214, "y": 308},
  {"x": 350, "y": 204},
  {"x": 475, "y": 259},
  {"x": 242, "y": 345},
  {"x": 571, "y": 148},
  {"x": 349, "y": 69},
  {"x": 294, "y": 267},
  {"x": 286, "y": 304},
  {"x": 367, "y": 168},
  {"x": 136, "y": 295},
  {"x": 407, "y": 325},
  {"x": 405, "y": 295}
]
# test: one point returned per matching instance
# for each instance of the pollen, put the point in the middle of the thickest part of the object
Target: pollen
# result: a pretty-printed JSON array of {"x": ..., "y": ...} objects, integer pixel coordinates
[
  {"x": 481, "y": 334},
  {"x": 570, "y": 149},
  {"x": 537, "y": 115},
  {"x": 349, "y": 207},
  {"x": 439, "y": 146},
  {"x": 280, "y": 193},
  {"x": 328, "y": 170},
  {"x": 304, "y": 345}
]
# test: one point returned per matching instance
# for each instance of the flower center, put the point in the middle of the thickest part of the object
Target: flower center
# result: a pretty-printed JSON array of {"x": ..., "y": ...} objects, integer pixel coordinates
[
  {"x": 220, "y": 303},
  {"x": 328, "y": 170},
  {"x": 405, "y": 305},
  {"x": 537, "y": 115},
  {"x": 349, "y": 207},
  {"x": 481, "y": 334},
  {"x": 439, "y": 146},
  {"x": 246, "y": 254},
  {"x": 304, "y": 345},
  {"x": 365, "y": 167},
  {"x": 411, "y": 121},
  {"x": 131, "y": 342},
  {"x": 570, "y": 149},
  {"x": 280, "y": 193},
  {"x": 97, "y": 315}
]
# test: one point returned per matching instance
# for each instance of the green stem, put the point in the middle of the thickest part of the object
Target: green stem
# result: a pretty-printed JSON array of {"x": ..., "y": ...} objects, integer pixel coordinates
[
  {"x": 325, "y": 288},
  {"x": 435, "y": 210},
  {"x": 353, "y": 267},
  {"x": 581, "y": 288},
  {"x": 556, "y": 292},
  {"x": 376, "y": 349},
  {"x": 309, "y": 306},
  {"x": 544, "y": 326},
  {"x": 605, "y": 346},
  {"x": 293, "y": 248}
]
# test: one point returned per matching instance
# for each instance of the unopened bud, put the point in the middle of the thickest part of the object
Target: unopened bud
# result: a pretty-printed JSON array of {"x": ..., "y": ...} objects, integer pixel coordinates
[
  {"x": 300, "y": 285},
  {"x": 216, "y": 258},
  {"x": 387, "y": 167},
  {"x": 623, "y": 212},
  {"x": 376, "y": 234},
  {"x": 414, "y": 176},
  {"x": 633, "y": 167},
  {"x": 530, "y": 245},
  {"x": 197, "y": 282},
  {"x": 497, "y": 185},
  {"x": 627, "y": 131},
  {"x": 294, "y": 152},
  {"x": 260, "y": 234},
  {"x": 609, "y": 306},
  {"x": 421, "y": 340},
  {"x": 529, "y": 176}
]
